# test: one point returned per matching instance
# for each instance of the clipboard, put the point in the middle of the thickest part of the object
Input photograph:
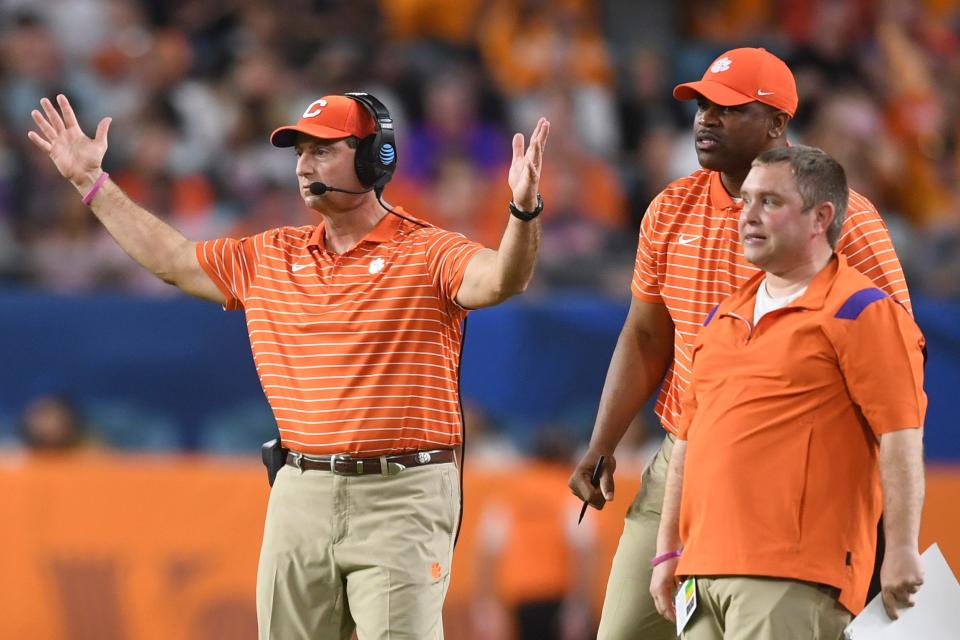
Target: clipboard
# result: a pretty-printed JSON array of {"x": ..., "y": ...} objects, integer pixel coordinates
[{"x": 934, "y": 616}]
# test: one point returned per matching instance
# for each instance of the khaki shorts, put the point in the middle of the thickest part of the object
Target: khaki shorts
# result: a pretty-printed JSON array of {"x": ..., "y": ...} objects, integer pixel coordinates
[{"x": 370, "y": 553}]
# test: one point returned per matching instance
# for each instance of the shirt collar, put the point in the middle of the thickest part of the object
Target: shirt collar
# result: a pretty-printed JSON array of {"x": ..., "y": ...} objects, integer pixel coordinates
[
  {"x": 719, "y": 198},
  {"x": 813, "y": 298},
  {"x": 382, "y": 232}
]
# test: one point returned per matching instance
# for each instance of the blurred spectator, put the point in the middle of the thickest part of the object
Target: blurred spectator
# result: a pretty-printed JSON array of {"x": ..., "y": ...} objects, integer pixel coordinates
[
  {"x": 534, "y": 555},
  {"x": 53, "y": 424},
  {"x": 452, "y": 124},
  {"x": 488, "y": 445}
]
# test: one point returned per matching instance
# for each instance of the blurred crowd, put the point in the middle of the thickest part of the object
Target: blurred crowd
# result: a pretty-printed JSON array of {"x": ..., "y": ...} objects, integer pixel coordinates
[{"x": 195, "y": 87}]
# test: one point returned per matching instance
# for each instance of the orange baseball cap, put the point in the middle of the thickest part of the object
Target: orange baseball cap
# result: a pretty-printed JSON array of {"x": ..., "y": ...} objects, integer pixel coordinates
[
  {"x": 744, "y": 75},
  {"x": 328, "y": 118}
]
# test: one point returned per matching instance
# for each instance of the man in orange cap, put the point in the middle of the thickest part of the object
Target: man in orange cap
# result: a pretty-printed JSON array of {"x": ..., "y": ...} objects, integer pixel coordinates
[
  {"x": 689, "y": 258},
  {"x": 356, "y": 326}
]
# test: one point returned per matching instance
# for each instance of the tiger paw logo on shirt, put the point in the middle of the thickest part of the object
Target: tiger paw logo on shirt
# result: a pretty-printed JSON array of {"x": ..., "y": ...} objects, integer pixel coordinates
[{"x": 435, "y": 571}]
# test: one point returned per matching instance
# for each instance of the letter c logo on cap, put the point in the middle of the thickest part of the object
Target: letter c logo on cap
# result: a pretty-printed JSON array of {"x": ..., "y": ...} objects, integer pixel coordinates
[{"x": 310, "y": 112}]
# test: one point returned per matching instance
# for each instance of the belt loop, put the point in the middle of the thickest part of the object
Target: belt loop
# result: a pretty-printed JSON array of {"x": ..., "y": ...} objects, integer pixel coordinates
[
  {"x": 384, "y": 469},
  {"x": 297, "y": 460},
  {"x": 333, "y": 463}
]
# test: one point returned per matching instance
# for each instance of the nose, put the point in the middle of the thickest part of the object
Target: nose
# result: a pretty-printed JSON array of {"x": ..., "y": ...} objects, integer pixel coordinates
[
  {"x": 749, "y": 214},
  {"x": 707, "y": 115},
  {"x": 304, "y": 166}
]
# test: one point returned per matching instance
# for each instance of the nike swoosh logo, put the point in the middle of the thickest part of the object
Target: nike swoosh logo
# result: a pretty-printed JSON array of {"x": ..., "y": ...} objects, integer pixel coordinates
[
  {"x": 760, "y": 92},
  {"x": 298, "y": 267},
  {"x": 687, "y": 239}
]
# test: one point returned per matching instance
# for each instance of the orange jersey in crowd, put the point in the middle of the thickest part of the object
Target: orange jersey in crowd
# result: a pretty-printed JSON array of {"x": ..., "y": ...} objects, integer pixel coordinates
[
  {"x": 783, "y": 420},
  {"x": 690, "y": 258},
  {"x": 357, "y": 352}
]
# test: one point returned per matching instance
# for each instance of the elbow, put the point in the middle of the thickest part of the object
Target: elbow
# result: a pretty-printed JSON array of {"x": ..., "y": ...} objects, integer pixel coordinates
[{"x": 507, "y": 290}]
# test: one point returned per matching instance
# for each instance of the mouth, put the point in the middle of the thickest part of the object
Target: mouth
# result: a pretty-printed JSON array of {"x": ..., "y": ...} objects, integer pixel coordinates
[
  {"x": 754, "y": 239},
  {"x": 706, "y": 141}
]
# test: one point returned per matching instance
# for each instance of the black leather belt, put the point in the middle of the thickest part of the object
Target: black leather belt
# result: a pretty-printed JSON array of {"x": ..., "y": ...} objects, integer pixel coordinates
[{"x": 345, "y": 465}]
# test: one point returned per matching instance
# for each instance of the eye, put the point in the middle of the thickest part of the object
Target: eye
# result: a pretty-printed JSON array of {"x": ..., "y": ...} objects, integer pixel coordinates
[{"x": 769, "y": 202}]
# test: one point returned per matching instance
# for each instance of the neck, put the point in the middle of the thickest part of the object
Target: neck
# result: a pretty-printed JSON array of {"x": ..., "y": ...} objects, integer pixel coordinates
[
  {"x": 789, "y": 280},
  {"x": 344, "y": 228},
  {"x": 733, "y": 181}
]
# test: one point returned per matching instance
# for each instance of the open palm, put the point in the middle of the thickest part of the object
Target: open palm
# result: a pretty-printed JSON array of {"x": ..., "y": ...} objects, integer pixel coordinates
[
  {"x": 76, "y": 156},
  {"x": 524, "y": 176}
]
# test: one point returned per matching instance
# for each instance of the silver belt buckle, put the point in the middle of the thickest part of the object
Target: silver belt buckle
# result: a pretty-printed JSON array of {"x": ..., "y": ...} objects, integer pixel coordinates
[
  {"x": 345, "y": 457},
  {"x": 297, "y": 460}
]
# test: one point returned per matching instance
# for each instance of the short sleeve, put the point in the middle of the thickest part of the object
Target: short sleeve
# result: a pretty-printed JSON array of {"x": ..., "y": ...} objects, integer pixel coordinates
[
  {"x": 881, "y": 354},
  {"x": 232, "y": 265},
  {"x": 646, "y": 280},
  {"x": 448, "y": 255},
  {"x": 865, "y": 241}
]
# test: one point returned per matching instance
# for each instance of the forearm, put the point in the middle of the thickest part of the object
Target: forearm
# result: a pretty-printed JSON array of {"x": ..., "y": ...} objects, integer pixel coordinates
[
  {"x": 668, "y": 536},
  {"x": 637, "y": 367},
  {"x": 516, "y": 256},
  {"x": 150, "y": 241},
  {"x": 901, "y": 476}
]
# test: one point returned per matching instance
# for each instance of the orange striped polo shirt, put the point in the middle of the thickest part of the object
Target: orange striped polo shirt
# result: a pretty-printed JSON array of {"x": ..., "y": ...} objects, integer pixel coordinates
[
  {"x": 690, "y": 258},
  {"x": 357, "y": 352}
]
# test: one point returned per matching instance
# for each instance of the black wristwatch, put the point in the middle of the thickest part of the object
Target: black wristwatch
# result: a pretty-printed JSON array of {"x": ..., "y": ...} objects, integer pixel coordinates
[{"x": 526, "y": 216}]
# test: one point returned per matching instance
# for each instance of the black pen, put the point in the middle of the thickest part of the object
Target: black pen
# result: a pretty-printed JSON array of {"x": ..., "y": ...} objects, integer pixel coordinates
[{"x": 595, "y": 481}]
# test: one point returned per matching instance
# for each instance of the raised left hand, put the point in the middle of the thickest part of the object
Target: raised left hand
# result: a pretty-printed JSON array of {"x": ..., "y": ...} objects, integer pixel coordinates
[{"x": 524, "y": 176}]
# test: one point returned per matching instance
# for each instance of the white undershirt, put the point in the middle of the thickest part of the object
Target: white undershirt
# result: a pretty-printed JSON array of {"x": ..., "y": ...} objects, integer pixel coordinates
[{"x": 765, "y": 303}]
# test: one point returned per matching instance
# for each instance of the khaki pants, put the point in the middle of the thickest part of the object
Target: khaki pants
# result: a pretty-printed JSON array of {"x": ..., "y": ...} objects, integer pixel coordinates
[
  {"x": 628, "y": 609},
  {"x": 370, "y": 553},
  {"x": 749, "y": 608}
]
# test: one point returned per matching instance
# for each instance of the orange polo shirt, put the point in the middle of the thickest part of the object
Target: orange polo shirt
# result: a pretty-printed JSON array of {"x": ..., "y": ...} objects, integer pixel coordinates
[
  {"x": 689, "y": 258},
  {"x": 357, "y": 352},
  {"x": 783, "y": 420}
]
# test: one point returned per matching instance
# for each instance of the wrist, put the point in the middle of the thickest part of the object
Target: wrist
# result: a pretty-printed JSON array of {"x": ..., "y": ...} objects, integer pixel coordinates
[
  {"x": 666, "y": 556},
  {"x": 84, "y": 183},
  {"x": 526, "y": 210},
  {"x": 95, "y": 188}
]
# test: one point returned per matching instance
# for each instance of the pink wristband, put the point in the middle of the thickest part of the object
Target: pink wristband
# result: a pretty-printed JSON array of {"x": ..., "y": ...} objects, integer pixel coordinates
[
  {"x": 663, "y": 557},
  {"x": 87, "y": 199}
]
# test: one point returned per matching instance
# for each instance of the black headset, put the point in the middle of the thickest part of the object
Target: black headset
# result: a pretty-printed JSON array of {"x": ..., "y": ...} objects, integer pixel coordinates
[{"x": 376, "y": 157}]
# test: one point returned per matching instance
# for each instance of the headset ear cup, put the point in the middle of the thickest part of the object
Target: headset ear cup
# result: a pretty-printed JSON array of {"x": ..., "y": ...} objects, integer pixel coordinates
[{"x": 365, "y": 161}]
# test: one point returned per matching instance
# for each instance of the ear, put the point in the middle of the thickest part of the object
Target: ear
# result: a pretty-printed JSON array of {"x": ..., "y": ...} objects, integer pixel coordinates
[
  {"x": 778, "y": 124},
  {"x": 823, "y": 215}
]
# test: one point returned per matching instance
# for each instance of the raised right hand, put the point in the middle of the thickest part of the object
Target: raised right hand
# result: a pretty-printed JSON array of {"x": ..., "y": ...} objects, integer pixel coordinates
[
  {"x": 579, "y": 482},
  {"x": 76, "y": 156}
]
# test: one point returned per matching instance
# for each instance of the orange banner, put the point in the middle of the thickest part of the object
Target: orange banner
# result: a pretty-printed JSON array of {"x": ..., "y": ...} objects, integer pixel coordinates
[{"x": 154, "y": 547}]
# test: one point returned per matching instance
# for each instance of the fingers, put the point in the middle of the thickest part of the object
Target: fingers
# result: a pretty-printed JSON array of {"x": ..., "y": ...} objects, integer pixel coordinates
[
  {"x": 517, "y": 146},
  {"x": 102, "y": 128},
  {"x": 606, "y": 483},
  {"x": 53, "y": 116},
  {"x": 69, "y": 118},
  {"x": 664, "y": 604},
  {"x": 537, "y": 142},
  {"x": 889, "y": 605},
  {"x": 42, "y": 144},
  {"x": 45, "y": 127}
]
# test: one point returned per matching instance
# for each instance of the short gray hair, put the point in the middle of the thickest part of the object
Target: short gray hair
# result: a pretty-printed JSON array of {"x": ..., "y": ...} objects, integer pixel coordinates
[{"x": 819, "y": 179}]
